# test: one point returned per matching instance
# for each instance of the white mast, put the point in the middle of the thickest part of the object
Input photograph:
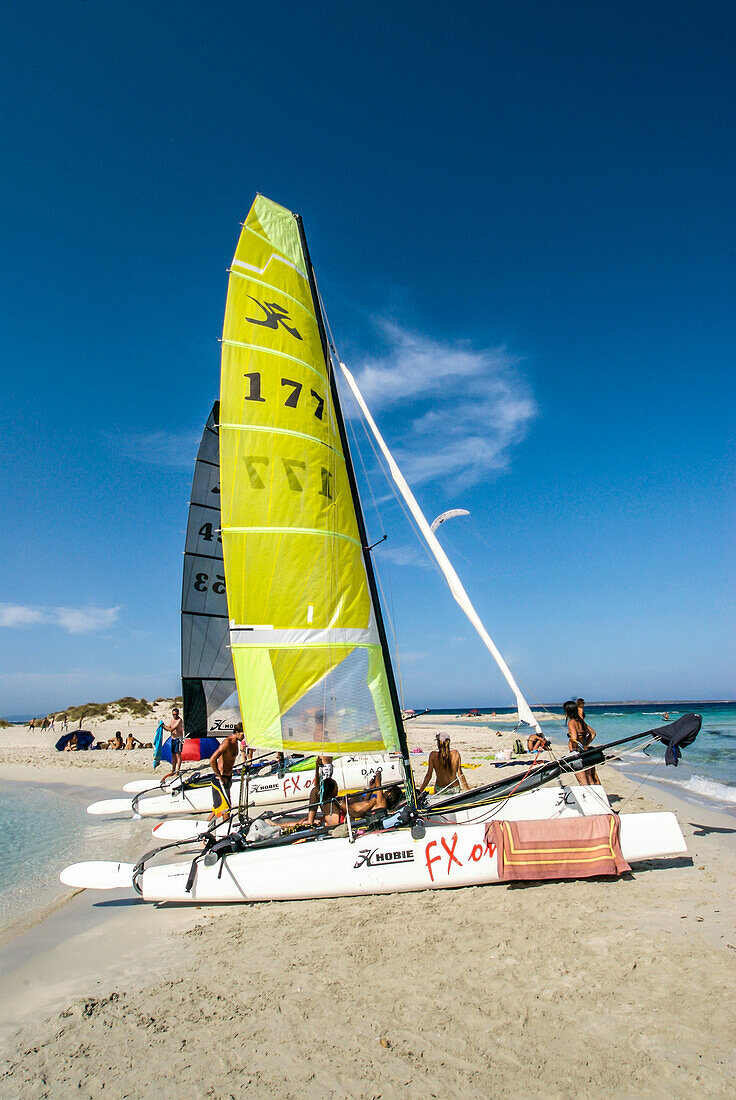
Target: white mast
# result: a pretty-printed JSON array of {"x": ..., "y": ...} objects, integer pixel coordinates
[{"x": 454, "y": 582}]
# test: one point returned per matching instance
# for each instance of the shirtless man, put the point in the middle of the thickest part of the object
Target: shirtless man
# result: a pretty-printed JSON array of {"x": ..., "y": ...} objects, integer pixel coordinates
[
  {"x": 446, "y": 765},
  {"x": 176, "y": 729},
  {"x": 222, "y": 762},
  {"x": 132, "y": 742}
]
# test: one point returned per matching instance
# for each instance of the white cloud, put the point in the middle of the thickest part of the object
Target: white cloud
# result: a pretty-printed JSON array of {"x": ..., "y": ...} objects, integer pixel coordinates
[
  {"x": 466, "y": 408},
  {"x": 75, "y": 620},
  {"x": 161, "y": 448},
  {"x": 407, "y": 555},
  {"x": 15, "y": 615},
  {"x": 85, "y": 620}
]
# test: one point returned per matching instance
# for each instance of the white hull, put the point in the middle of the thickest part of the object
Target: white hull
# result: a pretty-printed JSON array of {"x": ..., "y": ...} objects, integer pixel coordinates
[
  {"x": 548, "y": 802},
  {"x": 451, "y": 854},
  {"x": 379, "y": 863},
  {"x": 350, "y": 773}
]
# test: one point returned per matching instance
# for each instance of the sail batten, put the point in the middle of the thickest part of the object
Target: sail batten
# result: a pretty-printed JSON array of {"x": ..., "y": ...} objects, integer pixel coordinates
[
  {"x": 270, "y": 351},
  {"x": 208, "y": 681},
  {"x": 284, "y": 431},
  {"x": 314, "y": 678}
]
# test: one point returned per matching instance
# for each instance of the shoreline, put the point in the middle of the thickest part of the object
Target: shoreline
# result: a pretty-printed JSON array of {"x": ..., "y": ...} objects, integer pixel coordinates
[{"x": 343, "y": 996}]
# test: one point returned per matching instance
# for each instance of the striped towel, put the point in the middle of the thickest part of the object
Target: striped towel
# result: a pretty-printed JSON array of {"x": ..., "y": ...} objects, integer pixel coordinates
[{"x": 570, "y": 847}]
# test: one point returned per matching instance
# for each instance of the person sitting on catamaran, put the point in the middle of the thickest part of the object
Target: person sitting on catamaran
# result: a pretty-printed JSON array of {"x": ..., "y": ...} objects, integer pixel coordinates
[
  {"x": 374, "y": 798},
  {"x": 324, "y": 805},
  {"x": 446, "y": 766}
]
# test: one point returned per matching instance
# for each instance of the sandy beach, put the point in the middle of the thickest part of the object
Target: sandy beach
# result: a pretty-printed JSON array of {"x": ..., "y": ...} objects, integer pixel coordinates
[{"x": 618, "y": 988}]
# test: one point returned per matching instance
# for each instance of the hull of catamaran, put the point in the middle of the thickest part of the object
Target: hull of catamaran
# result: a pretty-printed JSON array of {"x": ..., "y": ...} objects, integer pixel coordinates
[
  {"x": 548, "y": 803},
  {"x": 384, "y": 863},
  {"x": 451, "y": 853},
  {"x": 349, "y": 772}
]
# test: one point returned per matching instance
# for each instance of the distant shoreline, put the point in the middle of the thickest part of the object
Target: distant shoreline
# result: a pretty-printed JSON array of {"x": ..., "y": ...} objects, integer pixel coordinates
[{"x": 16, "y": 720}]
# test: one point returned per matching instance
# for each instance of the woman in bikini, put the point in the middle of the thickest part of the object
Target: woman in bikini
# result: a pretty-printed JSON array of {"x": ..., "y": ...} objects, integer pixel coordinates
[
  {"x": 447, "y": 767},
  {"x": 580, "y": 735}
]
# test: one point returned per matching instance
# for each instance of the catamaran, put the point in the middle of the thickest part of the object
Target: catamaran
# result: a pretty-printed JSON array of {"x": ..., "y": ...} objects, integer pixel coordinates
[
  {"x": 209, "y": 690},
  {"x": 309, "y": 647}
]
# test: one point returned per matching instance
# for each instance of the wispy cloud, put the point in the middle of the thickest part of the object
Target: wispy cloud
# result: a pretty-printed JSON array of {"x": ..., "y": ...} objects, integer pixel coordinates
[
  {"x": 75, "y": 620},
  {"x": 161, "y": 448},
  {"x": 15, "y": 615},
  {"x": 407, "y": 555},
  {"x": 466, "y": 408}
]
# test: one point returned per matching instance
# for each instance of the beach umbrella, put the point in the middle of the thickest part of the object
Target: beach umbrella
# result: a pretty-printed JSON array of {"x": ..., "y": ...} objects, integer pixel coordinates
[
  {"x": 84, "y": 739},
  {"x": 195, "y": 748}
]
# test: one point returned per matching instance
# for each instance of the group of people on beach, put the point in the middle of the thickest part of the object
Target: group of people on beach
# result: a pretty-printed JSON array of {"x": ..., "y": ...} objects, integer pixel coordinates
[
  {"x": 444, "y": 768},
  {"x": 116, "y": 742}
]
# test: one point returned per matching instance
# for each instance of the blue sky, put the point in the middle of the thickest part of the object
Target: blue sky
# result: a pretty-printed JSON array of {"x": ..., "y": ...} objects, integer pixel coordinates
[{"x": 521, "y": 217}]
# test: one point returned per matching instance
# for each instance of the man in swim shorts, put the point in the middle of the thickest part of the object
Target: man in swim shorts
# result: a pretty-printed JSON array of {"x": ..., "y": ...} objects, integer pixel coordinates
[
  {"x": 176, "y": 729},
  {"x": 222, "y": 762}
]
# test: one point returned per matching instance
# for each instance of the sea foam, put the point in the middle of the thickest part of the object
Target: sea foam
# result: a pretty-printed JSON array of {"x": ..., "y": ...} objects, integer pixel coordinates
[{"x": 709, "y": 788}]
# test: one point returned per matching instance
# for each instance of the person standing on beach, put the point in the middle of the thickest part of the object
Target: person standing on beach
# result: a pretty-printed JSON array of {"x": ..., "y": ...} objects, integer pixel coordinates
[
  {"x": 580, "y": 736},
  {"x": 446, "y": 765},
  {"x": 176, "y": 729},
  {"x": 32, "y": 724},
  {"x": 222, "y": 762}
]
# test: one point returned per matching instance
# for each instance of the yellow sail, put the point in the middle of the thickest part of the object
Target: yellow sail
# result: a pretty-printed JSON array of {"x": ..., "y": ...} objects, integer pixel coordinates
[{"x": 309, "y": 666}]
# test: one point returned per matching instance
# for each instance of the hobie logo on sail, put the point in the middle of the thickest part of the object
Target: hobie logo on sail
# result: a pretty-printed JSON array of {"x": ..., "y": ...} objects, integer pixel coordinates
[
  {"x": 371, "y": 858},
  {"x": 275, "y": 315}
]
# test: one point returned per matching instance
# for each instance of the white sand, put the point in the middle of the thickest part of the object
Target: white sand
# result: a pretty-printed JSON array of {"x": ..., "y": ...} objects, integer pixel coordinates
[{"x": 617, "y": 989}]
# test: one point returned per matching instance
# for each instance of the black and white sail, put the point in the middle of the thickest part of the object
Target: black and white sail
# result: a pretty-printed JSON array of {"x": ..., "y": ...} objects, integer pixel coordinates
[{"x": 208, "y": 681}]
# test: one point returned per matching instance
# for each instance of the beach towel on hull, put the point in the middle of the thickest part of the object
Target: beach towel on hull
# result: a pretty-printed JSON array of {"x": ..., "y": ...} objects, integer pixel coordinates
[{"x": 582, "y": 847}]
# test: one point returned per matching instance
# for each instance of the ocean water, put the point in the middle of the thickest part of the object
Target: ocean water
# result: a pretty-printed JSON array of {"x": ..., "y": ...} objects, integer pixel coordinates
[
  {"x": 42, "y": 829},
  {"x": 707, "y": 771}
]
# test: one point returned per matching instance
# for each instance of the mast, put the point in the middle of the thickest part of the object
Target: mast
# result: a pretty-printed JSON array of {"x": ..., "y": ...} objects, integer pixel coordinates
[
  {"x": 373, "y": 588},
  {"x": 454, "y": 582}
]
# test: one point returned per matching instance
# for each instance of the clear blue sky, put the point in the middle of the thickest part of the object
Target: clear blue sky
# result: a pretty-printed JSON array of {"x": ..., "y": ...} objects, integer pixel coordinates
[{"x": 522, "y": 220}]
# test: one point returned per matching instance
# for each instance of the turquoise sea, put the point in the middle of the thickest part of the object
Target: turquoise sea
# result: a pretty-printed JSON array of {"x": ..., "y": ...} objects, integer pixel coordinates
[
  {"x": 707, "y": 770},
  {"x": 43, "y": 827}
]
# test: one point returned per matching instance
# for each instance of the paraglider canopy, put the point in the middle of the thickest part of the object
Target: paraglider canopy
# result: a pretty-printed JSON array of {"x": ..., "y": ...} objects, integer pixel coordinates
[{"x": 448, "y": 515}]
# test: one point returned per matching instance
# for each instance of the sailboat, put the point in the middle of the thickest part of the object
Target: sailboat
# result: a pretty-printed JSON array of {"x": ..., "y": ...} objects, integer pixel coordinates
[
  {"x": 307, "y": 637},
  {"x": 209, "y": 691}
]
